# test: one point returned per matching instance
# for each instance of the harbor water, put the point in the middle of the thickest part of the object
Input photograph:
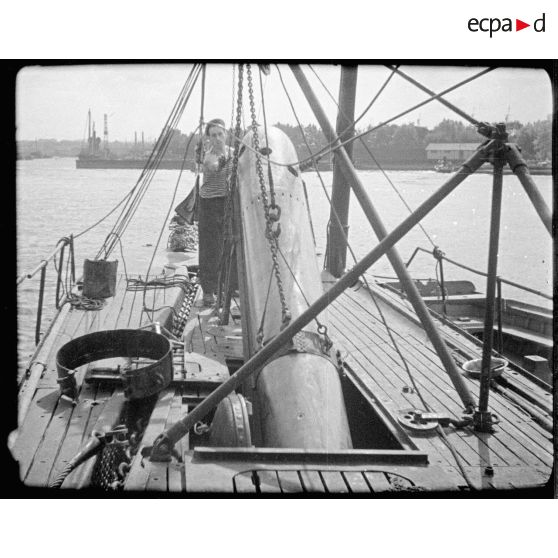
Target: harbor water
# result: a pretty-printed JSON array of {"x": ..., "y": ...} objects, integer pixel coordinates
[{"x": 54, "y": 199}]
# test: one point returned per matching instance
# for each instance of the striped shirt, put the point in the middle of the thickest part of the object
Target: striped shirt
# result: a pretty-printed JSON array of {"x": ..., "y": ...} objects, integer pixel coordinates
[{"x": 216, "y": 171}]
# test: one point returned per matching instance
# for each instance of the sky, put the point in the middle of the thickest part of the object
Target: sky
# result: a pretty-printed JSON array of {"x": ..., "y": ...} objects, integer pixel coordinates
[{"x": 52, "y": 101}]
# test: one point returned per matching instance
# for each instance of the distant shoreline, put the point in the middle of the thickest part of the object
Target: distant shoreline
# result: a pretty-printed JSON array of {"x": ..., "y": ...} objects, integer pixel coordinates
[{"x": 392, "y": 166}]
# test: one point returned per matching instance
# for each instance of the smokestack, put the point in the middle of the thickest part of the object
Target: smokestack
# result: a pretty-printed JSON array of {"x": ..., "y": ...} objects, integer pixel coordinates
[{"x": 105, "y": 131}]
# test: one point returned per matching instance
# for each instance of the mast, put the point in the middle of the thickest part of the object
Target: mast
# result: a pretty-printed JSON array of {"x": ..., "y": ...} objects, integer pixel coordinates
[
  {"x": 336, "y": 250},
  {"x": 377, "y": 225},
  {"x": 105, "y": 132},
  {"x": 89, "y": 142}
]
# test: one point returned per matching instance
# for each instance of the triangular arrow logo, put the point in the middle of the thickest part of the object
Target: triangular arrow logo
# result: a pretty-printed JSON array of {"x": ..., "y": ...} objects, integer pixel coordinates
[{"x": 519, "y": 25}]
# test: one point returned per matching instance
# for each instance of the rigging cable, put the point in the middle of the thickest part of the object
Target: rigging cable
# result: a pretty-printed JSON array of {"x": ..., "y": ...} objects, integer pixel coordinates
[
  {"x": 337, "y": 143},
  {"x": 336, "y": 216},
  {"x": 363, "y": 143},
  {"x": 382, "y": 316},
  {"x": 269, "y": 173},
  {"x": 154, "y": 159},
  {"x": 171, "y": 206},
  {"x": 331, "y": 147},
  {"x": 370, "y": 104}
]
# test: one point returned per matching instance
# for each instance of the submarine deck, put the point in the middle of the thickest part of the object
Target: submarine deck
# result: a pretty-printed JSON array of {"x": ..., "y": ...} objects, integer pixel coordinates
[{"x": 518, "y": 454}]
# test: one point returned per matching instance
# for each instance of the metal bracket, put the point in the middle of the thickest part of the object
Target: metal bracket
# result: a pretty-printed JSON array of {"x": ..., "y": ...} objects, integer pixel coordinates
[
  {"x": 484, "y": 421},
  {"x": 161, "y": 450},
  {"x": 422, "y": 421},
  {"x": 117, "y": 436},
  {"x": 493, "y": 131}
]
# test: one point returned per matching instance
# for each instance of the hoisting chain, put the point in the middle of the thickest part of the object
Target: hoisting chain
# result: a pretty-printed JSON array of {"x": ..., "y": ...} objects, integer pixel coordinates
[
  {"x": 179, "y": 321},
  {"x": 272, "y": 211},
  {"x": 113, "y": 464},
  {"x": 236, "y": 151},
  {"x": 231, "y": 188}
]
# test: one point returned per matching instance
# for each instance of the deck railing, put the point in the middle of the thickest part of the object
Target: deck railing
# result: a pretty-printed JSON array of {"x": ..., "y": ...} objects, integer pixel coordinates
[
  {"x": 57, "y": 257},
  {"x": 441, "y": 257}
]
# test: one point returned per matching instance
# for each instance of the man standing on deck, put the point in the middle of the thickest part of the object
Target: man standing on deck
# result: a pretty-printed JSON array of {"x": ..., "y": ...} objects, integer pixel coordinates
[{"x": 213, "y": 194}]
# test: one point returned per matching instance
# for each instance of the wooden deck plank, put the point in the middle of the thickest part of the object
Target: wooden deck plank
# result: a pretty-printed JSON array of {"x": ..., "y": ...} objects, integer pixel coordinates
[
  {"x": 197, "y": 339},
  {"x": 515, "y": 422},
  {"x": 269, "y": 482},
  {"x": 431, "y": 389},
  {"x": 427, "y": 350},
  {"x": 108, "y": 319},
  {"x": 394, "y": 400},
  {"x": 78, "y": 322},
  {"x": 158, "y": 477},
  {"x": 334, "y": 482},
  {"x": 464, "y": 450},
  {"x": 423, "y": 346},
  {"x": 311, "y": 481},
  {"x": 289, "y": 481},
  {"x": 73, "y": 439},
  {"x": 511, "y": 416},
  {"x": 521, "y": 443},
  {"x": 483, "y": 446},
  {"x": 49, "y": 446},
  {"x": 33, "y": 428},
  {"x": 467, "y": 451},
  {"x": 175, "y": 472},
  {"x": 71, "y": 327},
  {"x": 80, "y": 476},
  {"x": 139, "y": 475},
  {"x": 387, "y": 392},
  {"x": 132, "y": 314},
  {"x": 378, "y": 481},
  {"x": 96, "y": 320},
  {"x": 441, "y": 399},
  {"x": 243, "y": 483},
  {"x": 357, "y": 483},
  {"x": 531, "y": 431}
]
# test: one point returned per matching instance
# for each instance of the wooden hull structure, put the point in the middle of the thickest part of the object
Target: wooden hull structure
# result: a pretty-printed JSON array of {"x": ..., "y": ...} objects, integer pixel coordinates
[
  {"x": 342, "y": 412},
  {"x": 526, "y": 328},
  {"x": 385, "y": 457}
]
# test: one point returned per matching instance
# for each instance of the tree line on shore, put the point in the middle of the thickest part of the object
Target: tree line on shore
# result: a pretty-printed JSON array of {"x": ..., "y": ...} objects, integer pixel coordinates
[
  {"x": 408, "y": 142},
  {"x": 392, "y": 143}
]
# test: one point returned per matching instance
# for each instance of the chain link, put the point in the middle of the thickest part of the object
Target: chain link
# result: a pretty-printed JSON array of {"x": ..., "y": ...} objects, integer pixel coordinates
[
  {"x": 179, "y": 321},
  {"x": 228, "y": 214},
  {"x": 272, "y": 212},
  {"x": 111, "y": 467}
]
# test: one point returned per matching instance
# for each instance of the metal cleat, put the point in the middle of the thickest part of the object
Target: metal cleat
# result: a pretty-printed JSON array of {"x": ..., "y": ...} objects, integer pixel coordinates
[{"x": 423, "y": 421}]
